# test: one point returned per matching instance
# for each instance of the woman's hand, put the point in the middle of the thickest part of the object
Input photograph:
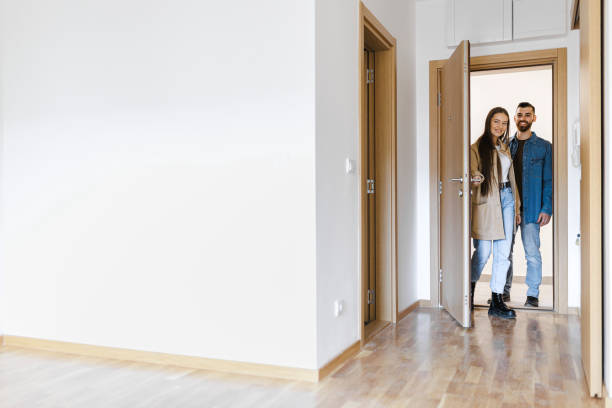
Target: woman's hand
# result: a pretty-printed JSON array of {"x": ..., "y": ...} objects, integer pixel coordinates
[
  {"x": 476, "y": 180},
  {"x": 517, "y": 219}
]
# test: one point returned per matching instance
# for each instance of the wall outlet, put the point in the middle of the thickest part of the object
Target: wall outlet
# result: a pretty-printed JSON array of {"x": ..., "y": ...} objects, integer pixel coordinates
[{"x": 338, "y": 307}]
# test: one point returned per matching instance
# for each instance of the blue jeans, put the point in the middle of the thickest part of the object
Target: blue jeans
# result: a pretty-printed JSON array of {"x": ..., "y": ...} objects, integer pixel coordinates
[
  {"x": 530, "y": 234},
  {"x": 501, "y": 247}
]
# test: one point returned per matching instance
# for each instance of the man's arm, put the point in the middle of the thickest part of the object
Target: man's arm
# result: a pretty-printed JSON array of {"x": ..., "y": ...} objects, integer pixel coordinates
[{"x": 547, "y": 182}]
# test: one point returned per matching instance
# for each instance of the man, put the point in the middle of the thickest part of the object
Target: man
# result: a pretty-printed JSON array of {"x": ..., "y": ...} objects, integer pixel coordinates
[{"x": 532, "y": 157}]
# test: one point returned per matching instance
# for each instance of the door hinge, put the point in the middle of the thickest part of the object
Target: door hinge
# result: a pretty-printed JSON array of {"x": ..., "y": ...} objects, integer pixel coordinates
[
  {"x": 439, "y": 99},
  {"x": 440, "y": 275},
  {"x": 369, "y": 76},
  {"x": 371, "y": 297},
  {"x": 440, "y": 187},
  {"x": 371, "y": 186}
]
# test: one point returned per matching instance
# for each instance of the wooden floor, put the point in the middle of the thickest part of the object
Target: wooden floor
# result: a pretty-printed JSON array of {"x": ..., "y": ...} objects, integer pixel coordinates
[{"x": 425, "y": 361}]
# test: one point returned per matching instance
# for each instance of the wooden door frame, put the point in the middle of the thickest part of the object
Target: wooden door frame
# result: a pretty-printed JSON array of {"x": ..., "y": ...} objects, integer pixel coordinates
[
  {"x": 556, "y": 57},
  {"x": 374, "y": 34}
]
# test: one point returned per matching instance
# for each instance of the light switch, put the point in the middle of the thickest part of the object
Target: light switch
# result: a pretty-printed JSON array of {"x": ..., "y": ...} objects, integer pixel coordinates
[
  {"x": 350, "y": 165},
  {"x": 338, "y": 307}
]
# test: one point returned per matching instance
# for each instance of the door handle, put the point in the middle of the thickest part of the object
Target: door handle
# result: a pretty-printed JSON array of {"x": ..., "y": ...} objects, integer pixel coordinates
[{"x": 458, "y": 180}]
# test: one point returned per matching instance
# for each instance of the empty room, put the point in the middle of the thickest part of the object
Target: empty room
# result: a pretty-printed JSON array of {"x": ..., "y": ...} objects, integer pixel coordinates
[{"x": 305, "y": 203}]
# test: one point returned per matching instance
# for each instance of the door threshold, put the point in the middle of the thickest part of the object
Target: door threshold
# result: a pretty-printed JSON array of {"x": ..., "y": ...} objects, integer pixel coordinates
[
  {"x": 373, "y": 328},
  {"x": 526, "y": 308}
]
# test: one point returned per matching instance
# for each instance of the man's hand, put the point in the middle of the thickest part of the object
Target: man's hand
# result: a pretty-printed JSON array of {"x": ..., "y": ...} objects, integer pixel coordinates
[
  {"x": 543, "y": 219},
  {"x": 517, "y": 219}
]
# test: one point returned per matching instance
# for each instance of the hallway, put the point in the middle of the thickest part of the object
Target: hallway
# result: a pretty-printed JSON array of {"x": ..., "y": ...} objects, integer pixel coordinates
[{"x": 426, "y": 361}]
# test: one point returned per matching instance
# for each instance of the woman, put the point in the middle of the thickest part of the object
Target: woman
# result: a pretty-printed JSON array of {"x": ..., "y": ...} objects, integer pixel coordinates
[{"x": 495, "y": 201}]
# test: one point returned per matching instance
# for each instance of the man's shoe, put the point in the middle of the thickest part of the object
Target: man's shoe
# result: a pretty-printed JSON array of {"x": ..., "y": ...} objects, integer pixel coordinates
[
  {"x": 531, "y": 301},
  {"x": 498, "y": 307},
  {"x": 505, "y": 297}
]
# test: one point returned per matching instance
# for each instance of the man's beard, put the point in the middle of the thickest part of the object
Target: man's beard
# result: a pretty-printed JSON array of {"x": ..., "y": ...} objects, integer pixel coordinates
[{"x": 523, "y": 126}]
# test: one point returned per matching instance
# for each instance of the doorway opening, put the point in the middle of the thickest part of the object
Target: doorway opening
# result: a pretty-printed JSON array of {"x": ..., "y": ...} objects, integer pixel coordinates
[
  {"x": 378, "y": 176},
  {"x": 556, "y": 59},
  {"x": 507, "y": 88}
]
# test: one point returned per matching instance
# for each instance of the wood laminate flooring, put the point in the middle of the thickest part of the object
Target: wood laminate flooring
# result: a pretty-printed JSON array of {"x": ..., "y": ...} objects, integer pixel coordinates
[{"x": 426, "y": 360}]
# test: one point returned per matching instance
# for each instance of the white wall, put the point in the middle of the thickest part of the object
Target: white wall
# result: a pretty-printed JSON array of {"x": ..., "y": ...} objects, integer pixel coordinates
[
  {"x": 337, "y": 54},
  {"x": 430, "y": 45},
  {"x": 337, "y": 132},
  {"x": 158, "y": 176},
  {"x": 507, "y": 88}
]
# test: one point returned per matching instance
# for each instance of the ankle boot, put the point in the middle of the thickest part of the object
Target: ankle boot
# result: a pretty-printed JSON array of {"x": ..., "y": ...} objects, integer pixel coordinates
[
  {"x": 498, "y": 307},
  {"x": 472, "y": 295}
]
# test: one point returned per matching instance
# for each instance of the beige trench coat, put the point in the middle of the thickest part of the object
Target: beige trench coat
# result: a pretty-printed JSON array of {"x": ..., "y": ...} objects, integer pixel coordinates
[{"x": 487, "y": 221}]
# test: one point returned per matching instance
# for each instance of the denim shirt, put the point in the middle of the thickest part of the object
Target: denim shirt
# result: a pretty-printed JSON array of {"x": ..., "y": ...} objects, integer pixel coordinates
[{"x": 537, "y": 176}]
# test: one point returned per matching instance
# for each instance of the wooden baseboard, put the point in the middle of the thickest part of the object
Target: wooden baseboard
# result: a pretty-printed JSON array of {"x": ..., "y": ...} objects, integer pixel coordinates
[
  {"x": 408, "y": 310},
  {"x": 425, "y": 303},
  {"x": 373, "y": 328},
  {"x": 573, "y": 311},
  {"x": 199, "y": 363},
  {"x": 339, "y": 360},
  {"x": 419, "y": 303}
]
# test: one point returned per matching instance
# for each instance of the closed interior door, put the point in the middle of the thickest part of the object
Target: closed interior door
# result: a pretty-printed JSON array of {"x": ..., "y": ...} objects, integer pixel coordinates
[
  {"x": 369, "y": 92},
  {"x": 455, "y": 184}
]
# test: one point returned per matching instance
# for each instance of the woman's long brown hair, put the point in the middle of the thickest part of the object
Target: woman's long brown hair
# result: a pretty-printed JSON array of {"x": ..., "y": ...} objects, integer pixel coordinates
[{"x": 486, "y": 149}]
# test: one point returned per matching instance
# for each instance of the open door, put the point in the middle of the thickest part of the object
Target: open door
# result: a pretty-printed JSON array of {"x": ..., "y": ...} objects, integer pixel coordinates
[
  {"x": 454, "y": 145},
  {"x": 591, "y": 183}
]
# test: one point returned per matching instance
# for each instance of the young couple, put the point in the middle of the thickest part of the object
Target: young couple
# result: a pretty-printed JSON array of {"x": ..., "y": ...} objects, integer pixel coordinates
[{"x": 511, "y": 188}]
